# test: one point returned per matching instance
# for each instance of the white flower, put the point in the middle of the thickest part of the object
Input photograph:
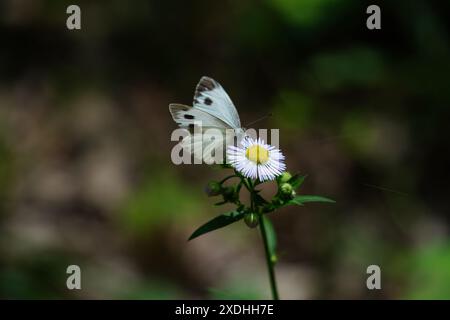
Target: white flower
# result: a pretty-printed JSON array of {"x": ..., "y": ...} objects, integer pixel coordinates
[{"x": 255, "y": 159}]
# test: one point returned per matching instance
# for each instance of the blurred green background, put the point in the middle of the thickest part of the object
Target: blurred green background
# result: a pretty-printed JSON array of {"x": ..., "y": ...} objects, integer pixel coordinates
[{"x": 85, "y": 170}]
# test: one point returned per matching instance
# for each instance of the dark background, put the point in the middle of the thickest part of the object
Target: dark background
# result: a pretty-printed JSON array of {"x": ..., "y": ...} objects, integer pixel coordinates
[{"x": 85, "y": 170}]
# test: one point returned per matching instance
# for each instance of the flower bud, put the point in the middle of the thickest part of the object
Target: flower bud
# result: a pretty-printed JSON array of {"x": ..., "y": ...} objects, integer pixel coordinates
[
  {"x": 286, "y": 189},
  {"x": 213, "y": 188},
  {"x": 251, "y": 220},
  {"x": 285, "y": 176}
]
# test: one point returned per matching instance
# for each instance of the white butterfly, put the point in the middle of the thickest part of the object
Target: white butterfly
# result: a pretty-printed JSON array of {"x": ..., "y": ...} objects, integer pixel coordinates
[{"x": 212, "y": 108}]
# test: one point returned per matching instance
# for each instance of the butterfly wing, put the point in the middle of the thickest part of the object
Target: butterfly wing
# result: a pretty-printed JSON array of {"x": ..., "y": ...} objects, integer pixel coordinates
[
  {"x": 211, "y": 98},
  {"x": 187, "y": 116},
  {"x": 212, "y": 108},
  {"x": 204, "y": 146}
]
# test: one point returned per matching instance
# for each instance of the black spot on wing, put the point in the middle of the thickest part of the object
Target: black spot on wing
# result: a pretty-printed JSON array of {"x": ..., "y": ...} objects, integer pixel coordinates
[
  {"x": 205, "y": 84},
  {"x": 208, "y": 101},
  {"x": 188, "y": 116},
  {"x": 177, "y": 111}
]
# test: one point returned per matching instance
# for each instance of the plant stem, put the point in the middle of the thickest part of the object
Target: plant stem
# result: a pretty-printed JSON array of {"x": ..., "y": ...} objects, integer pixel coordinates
[
  {"x": 226, "y": 178},
  {"x": 270, "y": 263},
  {"x": 262, "y": 227}
]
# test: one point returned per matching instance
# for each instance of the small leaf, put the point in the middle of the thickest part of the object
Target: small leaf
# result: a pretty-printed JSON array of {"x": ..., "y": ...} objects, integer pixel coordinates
[
  {"x": 217, "y": 223},
  {"x": 300, "y": 200},
  {"x": 259, "y": 201},
  {"x": 291, "y": 202},
  {"x": 271, "y": 237},
  {"x": 296, "y": 181}
]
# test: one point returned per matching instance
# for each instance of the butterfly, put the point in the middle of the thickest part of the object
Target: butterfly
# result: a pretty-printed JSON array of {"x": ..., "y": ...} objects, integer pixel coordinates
[{"x": 212, "y": 109}]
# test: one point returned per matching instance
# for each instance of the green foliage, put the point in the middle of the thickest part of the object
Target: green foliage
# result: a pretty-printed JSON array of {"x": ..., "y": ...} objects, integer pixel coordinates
[
  {"x": 430, "y": 274},
  {"x": 160, "y": 198},
  {"x": 257, "y": 211},
  {"x": 303, "y": 13},
  {"x": 217, "y": 223},
  {"x": 358, "y": 66},
  {"x": 361, "y": 133},
  {"x": 296, "y": 181},
  {"x": 300, "y": 200},
  {"x": 27, "y": 276},
  {"x": 259, "y": 206},
  {"x": 294, "y": 110}
]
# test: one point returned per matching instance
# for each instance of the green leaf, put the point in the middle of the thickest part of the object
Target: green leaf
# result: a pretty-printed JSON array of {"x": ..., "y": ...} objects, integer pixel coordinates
[
  {"x": 271, "y": 236},
  {"x": 296, "y": 181},
  {"x": 300, "y": 200},
  {"x": 259, "y": 201},
  {"x": 217, "y": 223},
  {"x": 291, "y": 202}
]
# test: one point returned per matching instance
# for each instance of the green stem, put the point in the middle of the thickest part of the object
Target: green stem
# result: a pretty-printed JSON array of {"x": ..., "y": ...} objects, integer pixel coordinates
[
  {"x": 226, "y": 178},
  {"x": 262, "y": 227},
  {"x": 270, "y": 263}
]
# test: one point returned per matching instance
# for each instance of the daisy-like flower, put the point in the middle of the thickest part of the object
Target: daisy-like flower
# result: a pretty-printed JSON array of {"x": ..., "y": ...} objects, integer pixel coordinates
[{"x": 256, "y": 160}]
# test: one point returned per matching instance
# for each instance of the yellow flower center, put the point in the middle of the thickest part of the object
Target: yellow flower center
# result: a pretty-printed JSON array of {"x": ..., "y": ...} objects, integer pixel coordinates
[{"x": 257, "y": 154}]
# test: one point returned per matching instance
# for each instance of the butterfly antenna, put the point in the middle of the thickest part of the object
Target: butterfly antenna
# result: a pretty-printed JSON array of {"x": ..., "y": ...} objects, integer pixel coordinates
[{"x": 260, "y": 119}]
